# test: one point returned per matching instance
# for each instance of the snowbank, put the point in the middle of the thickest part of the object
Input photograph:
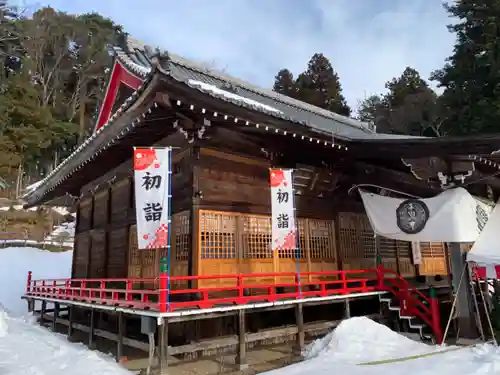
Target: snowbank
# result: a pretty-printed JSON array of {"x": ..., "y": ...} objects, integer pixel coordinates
[
  {"x": 65, "y": 231},
  {"x": 361, "y": 339},
  {"x": 26, "y": 348},
  {"x": 3, "y": 322},
  {"x": 15, "y": 262}
]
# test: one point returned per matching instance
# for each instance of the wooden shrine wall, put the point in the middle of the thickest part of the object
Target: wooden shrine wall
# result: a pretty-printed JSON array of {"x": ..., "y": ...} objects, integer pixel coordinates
[
  {"x": 105, "y": 229},
  {"x": 236, "y": 183},
  {"x": 145, "y": 263},
  {"x": 357, "y": 249},
  {"x": 231, "y": 242},
  {"x": 233, "y": 224},
  {"x": 224, "y": 200}
]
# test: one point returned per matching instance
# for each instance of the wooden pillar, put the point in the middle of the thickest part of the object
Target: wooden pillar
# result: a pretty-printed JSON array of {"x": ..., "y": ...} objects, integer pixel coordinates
[
  {"x": 91, "y": 343},
  {"x": 299, "y": 318},
  {"x": 119, "y": 343},
  {"x": 241, "y": 357},
  {"x": 55, "y": 315},
  {"x": 194, "y": 217},
  {"x": 347, "y": 309},
  {"x": 486, "y": 295},
  {"x": 463, "y": 292},
  {"x": 42, "y": 312},
  {"x": 31, "y": 305},
  {"x": 70, "y": 321},
  {"x": 163, "y": 345}
]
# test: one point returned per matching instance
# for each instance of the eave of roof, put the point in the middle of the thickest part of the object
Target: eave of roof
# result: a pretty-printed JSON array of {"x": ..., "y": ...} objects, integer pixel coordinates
[
  {"x": 98, "y": 142},
  {"x": 137, "y": 57}
]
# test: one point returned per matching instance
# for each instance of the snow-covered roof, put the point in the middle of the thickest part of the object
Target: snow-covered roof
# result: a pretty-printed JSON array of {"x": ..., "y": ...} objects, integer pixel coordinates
[{"x": 137, "y": 57}]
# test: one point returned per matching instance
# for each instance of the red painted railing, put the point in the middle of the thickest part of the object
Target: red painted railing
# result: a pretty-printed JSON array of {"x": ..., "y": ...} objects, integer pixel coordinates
[
  {"x": 155, "y": 294},
  {"x": 412, "y": 301},
  {"x": 140, "y": 293}
]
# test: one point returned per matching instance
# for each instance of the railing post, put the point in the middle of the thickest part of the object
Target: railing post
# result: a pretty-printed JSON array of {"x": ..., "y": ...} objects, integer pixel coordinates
[
  {"x": 436, "y": 317},
  {"x": 163, "y": 284},
  {"x": 239, "y": 283},
  {"x": 28, "y": 283},
  {"x": 380, "y": 273}
]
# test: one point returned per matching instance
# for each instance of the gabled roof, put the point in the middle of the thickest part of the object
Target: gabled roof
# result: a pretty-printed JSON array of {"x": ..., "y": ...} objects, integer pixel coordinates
[{"x": 137, "y": 58}]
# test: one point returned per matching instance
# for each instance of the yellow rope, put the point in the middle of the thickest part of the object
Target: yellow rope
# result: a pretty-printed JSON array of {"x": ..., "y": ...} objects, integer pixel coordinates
[{"x": 402, "y": 359}]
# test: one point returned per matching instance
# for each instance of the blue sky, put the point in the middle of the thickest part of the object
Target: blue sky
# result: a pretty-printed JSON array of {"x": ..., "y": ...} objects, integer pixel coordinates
[{"x": 367, "y": 41}]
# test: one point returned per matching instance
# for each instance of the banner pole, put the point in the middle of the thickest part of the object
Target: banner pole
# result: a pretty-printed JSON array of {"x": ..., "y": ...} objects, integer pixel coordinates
[
  {"x": 297, "y": 238},
  {"x": 169, "y": 241}
]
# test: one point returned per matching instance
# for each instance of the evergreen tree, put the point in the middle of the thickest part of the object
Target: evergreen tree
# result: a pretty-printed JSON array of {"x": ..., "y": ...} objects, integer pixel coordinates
[
  {"x": 370, "y": 109},
  {"x": 57, "y": 66},
  {"x": 320, "y": 85},
  {"x": 471, "y": 76},
  {"x": 409, "y": 107},
  {"x": 285, "y": 84}
]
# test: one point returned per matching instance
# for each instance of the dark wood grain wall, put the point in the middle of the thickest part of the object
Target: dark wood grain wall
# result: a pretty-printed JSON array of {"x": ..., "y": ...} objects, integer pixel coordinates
[
  {"x": 236, "y": 183},
  {"x": 106, "y": 213}
]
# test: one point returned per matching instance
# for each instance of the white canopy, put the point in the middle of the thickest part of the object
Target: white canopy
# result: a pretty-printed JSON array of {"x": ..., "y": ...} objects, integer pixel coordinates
[
  {"x": 486, "y": 249},
  {"x": 452, "y": 216}
]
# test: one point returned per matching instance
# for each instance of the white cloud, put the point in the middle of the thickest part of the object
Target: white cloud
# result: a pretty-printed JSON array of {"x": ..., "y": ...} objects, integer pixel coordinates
[{"x": 368, "y": 41}]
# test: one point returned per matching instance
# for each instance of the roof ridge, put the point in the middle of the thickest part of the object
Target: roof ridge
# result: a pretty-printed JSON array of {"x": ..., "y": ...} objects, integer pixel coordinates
[{"x": 284, "y": 99}]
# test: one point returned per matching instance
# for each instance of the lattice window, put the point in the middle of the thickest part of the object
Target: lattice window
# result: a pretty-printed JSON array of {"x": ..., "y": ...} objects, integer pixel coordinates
[
  {"x": 297, "y": 253},
  {"x": 256, "y": 237},
  {"x": 134, "y": 254},
  {"x": 181, "y": 235},
  {"x": 348, "y": 236},
  {"x": 218, "y": 235},
  {"x": 356, "y": 236},
  {"x": 369, "y": 247},
  {"x": 150, "y": 262},
  {"x": 404, "y": 248},
  {"x": 388, "y": 248},
  {"x": 432, "y": 250},
  {"x": 321, "y": 239}
]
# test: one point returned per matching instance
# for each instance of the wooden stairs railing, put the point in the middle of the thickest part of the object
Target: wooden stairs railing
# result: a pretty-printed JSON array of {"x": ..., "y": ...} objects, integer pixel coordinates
[{"x": 419, "y": 310}]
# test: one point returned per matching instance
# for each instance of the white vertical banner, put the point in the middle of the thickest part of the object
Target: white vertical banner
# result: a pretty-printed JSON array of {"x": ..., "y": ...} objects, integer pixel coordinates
[
  {"x": 284, "y": 231},
  {"x": 152, "y": 176},
  {"x": 416, "y": 252}
]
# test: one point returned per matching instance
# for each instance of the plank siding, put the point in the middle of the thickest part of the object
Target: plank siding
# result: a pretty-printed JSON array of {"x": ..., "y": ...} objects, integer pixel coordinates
[
  {"x": 117, "y": 253},
  {"x": 85, "y": 215},
  {"x": 97, "y": 254},
  {"x": 81, "y": 255},
  {"x": 120, "y": 198},
  {"x": 100, "y": 212},
  {"x": 238, "y": 184}
]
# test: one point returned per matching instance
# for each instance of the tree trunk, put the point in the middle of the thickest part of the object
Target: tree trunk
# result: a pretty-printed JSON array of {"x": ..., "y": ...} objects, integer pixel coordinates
[
  {"x": 19, "y": 180},
  {"x": 81, "y": 134},
  {"x": 56, "y": 158}
]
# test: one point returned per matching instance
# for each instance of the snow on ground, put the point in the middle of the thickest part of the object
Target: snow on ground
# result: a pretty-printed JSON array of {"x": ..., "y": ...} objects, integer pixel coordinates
[
  {"x": 25, "y": 347},
  {"x": 28, "y": 349},
  {"x": 64, "y": 231},
  {"x": 18, "y": 207},
  {"x": 61, "y": 235},
  {"x": 15, "y": 262},
  {"x": 359, "y": 340}
]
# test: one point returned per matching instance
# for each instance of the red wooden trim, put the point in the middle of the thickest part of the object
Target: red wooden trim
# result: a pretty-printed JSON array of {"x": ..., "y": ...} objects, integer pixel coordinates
[
  {"x": 119, "y": 75},
  {"x": 133, "y": 292}
]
